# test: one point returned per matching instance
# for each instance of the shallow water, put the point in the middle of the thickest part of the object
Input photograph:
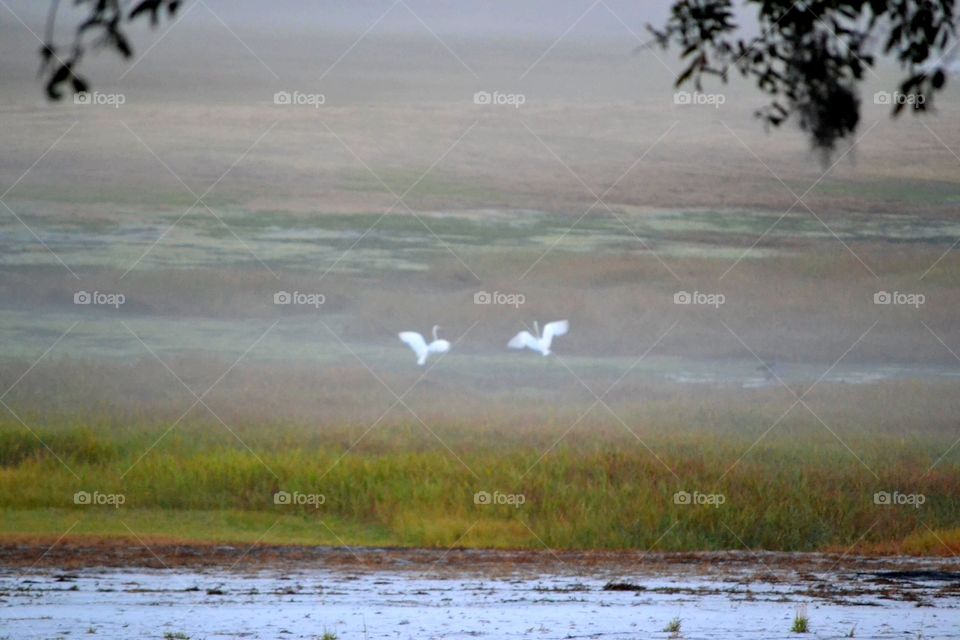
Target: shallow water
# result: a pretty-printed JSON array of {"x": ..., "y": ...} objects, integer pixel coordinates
[{"x": 750, "y": 602}]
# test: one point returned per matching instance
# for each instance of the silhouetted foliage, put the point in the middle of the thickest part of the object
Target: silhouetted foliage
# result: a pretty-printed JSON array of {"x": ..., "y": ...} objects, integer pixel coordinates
[
  {"x": 101, "y": 28},
  {"x": 811, "y": 55}
]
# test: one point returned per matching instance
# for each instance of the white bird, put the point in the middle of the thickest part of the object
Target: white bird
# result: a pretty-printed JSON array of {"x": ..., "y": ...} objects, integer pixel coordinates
[
  {"x": 539, "y": 343},
  {"x": 420, "y": 347}
]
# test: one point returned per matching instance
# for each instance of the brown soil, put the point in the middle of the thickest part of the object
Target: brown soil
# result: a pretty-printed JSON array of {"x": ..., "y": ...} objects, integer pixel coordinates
[{"x": 82, "y": 552}]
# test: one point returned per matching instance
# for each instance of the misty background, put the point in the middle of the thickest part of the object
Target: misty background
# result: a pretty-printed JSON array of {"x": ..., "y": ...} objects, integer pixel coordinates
[{"x": 495, "y": 199}]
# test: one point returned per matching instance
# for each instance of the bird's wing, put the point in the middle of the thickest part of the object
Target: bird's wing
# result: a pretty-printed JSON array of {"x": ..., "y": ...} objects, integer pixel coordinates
[
  {"x": 415, "y": 341},
  {"x": 552, "y": 329},
  {"x": 524, "y": 340},
  {"x": 438, "y": 346}
]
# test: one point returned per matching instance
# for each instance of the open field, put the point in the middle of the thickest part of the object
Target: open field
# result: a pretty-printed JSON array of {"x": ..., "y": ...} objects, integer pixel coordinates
[
  {"x": 306, "y": 403},
  {"x": 302, "y": 399}
]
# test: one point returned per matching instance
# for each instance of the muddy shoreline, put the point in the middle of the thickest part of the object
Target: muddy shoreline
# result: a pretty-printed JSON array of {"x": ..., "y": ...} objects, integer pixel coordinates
[
  {"x": 89, "y": 553},
  {"x": 304, "y": 592},
  {"x": 116, "y": 589}
]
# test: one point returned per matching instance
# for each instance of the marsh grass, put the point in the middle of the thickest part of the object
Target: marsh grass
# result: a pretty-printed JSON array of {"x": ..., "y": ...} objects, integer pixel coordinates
[
  {"x": 673, "y": 626},
  {"x": 801, "y": 623},
  {"x": 400, "y": 484},
  {"x": 302, "y": 414}
]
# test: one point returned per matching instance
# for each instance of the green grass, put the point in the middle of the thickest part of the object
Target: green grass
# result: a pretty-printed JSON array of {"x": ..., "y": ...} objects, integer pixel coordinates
[
  {"x": 229, "y": 526},
  {"x": 673, "y": 626},
  {"x": 801, "y": 623},
  {"x": 399, "y": 486}
]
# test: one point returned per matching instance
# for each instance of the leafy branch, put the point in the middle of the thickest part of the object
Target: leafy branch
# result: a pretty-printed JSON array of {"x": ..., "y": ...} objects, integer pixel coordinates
[
  {"x": 102, "y": 28},
  {"x": 811, "y": 55}
]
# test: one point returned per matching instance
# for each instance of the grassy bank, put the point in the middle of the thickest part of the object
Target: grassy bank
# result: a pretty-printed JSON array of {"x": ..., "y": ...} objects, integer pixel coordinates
[{"x": 599, "y": 487}]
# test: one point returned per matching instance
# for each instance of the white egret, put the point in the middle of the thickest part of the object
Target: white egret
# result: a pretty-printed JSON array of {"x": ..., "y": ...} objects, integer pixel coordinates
[
  {"x": 420, "y": 347},
  {"x": 539, "y": 343}
]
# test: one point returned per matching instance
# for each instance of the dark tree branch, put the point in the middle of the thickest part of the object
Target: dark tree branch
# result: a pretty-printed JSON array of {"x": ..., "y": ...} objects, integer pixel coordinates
[
  {"x": 811, "y": 55},
  {"x": 104, "y": 26}
]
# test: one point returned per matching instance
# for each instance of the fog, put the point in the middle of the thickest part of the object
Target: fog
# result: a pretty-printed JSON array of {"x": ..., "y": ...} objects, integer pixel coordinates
[
  {"x": 488, "y": 19},
  {"x": 695, "y": 198}
]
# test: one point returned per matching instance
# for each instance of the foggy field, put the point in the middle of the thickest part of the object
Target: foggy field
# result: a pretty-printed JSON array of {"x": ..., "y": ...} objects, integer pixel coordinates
[
  {"x": 684, "y": 403},
  {"x": 308, "y": 403}
]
